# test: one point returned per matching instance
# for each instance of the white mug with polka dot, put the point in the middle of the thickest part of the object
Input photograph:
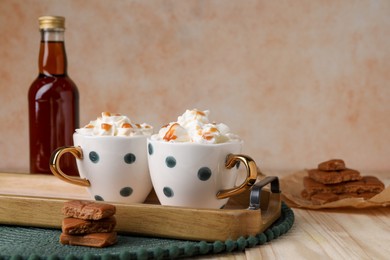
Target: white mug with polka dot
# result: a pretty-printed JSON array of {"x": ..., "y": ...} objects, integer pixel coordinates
[
  {"x": 198, "y": 175},
  {"x": 113, "y": 168}
]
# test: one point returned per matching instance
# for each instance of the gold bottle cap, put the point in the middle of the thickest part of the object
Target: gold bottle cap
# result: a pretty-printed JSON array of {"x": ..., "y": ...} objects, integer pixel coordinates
[{"x": 51, "y": 22}]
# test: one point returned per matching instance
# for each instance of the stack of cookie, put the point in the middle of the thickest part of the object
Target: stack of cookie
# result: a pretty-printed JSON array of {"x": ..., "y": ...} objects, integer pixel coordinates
[
  {"x": 332, "y": 181},
  {"x": 88, "y": 224}
]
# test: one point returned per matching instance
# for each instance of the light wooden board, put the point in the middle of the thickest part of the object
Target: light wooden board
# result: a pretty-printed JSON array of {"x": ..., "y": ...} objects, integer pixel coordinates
[{"x": 36, "y": 200}]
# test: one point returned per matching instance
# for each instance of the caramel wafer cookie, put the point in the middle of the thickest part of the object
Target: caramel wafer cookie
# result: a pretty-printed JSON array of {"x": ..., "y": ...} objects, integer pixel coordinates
[
  {"x": 75, "y": 226},
  {"x": 88, "y": 210},
  {"x": 332, "y": 165},
  {"x": 93, "y": 240},
  {"x": 332, "y": 177},
  {"x": 366, "y": 184}
]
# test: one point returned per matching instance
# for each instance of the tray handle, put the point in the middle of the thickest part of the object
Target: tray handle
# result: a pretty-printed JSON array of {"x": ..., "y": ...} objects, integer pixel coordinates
[{"x": 268, "y": 202}]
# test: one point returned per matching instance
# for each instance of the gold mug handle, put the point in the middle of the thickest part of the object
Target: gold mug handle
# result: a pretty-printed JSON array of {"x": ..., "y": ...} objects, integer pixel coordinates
[
  {"x": 251, "y": 175},
  {"x": 56, "y": 169}
]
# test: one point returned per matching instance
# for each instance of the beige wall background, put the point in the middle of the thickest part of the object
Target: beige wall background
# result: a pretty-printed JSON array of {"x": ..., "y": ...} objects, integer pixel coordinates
[{"x": 299, "y": 81}]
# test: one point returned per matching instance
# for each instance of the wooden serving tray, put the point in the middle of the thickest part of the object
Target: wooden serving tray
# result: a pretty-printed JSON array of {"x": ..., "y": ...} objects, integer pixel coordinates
[{"x": 36, "y": 200}]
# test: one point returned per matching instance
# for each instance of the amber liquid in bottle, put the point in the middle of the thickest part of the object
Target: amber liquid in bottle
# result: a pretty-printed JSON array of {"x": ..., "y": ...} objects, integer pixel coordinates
[{"x": 53, "y": 106}]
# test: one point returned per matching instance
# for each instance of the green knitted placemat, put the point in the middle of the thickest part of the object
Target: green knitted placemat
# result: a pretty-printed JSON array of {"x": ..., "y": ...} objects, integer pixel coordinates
[{"x": 40, "y": 243}]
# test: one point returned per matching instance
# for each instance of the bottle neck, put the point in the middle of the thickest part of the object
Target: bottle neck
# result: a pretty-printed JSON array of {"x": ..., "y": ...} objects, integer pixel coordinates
[{"x": 52, "y": 55}]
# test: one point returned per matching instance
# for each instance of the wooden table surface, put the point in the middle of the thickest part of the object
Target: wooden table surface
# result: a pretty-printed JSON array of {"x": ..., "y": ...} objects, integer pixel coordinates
[{"x": 316, "y": 234}]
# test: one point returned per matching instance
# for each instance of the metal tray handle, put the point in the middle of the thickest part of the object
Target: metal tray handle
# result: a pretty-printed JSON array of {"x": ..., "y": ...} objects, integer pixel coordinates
[{"x": 268, "y": 202}]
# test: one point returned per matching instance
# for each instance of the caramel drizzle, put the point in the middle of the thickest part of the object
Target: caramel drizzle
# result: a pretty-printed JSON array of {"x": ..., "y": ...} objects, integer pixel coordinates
[
  {"x": 106, "y": 127},
  {"x": 126, "y": 125},
  {"x": 108, "y": 114},
  {"x": 170, "y": 134},
  {"x": 208, "y": 135},
  {"x": 200, "y": 113}
]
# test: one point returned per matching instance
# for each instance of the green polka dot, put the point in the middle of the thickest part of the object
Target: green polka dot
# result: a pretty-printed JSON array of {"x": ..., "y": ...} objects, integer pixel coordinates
[
  {"x": 168, "y": 192},
  {"x": 170, "y": 161},
  {"x": 94, "y": 157},
  {"x": 204, "y": 173},
  {"x": 99, "y": 198},
  {"x": 150, "y": 149},
  {"x": 129, "y": 158},
  {"x": 126, "y": 191}
]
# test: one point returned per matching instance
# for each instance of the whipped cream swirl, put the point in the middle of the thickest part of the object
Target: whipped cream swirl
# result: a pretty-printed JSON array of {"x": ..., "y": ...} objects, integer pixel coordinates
[
  {"x": 194, "y": 126},
  {"x": 109, "y": 124}
]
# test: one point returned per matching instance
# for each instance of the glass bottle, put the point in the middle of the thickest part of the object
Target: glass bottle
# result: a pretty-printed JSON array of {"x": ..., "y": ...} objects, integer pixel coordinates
[{"x": 53, "y": 100}]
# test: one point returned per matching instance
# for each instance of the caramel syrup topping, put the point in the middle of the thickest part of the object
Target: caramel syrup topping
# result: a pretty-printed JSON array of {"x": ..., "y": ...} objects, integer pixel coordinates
[
  {"x": 200, "y": 113},
  {"x": 170, "y": 134},
  {"x": 106, "y": 127},
  {"x": 207, "y": 136}
]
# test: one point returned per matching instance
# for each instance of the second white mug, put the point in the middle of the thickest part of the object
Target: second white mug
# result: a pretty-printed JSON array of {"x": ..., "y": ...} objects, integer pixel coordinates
[{"x": 198, "y": 175}]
